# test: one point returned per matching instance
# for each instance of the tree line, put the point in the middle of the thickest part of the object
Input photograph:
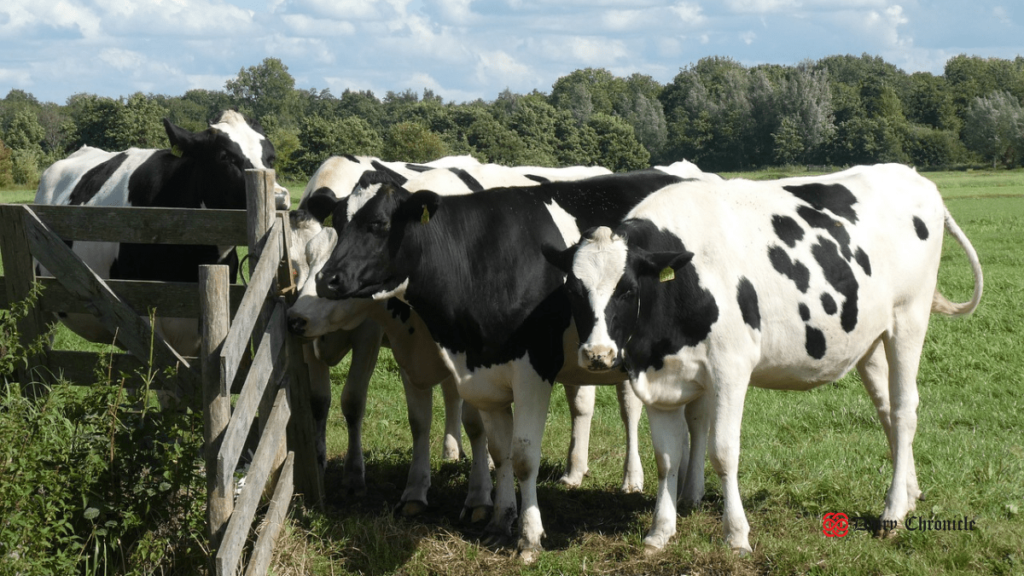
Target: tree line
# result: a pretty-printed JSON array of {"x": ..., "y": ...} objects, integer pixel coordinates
[{"x": 717, "y": 113}]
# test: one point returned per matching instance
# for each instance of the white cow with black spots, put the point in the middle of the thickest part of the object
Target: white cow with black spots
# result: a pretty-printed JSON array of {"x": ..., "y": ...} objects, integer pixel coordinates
[{"x": 709, "y": 288}]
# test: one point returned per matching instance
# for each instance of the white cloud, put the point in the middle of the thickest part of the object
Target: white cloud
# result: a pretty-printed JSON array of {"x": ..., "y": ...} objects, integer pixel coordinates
[
  {"x": 122, "y": 60},
  {"x": 307, "y": 26},
  {"x": 748, "y": 37},
  {"x": 497, "y": 66},
  {"x": 1001, "y": 14},
  {"x": 689, "y": 13}
]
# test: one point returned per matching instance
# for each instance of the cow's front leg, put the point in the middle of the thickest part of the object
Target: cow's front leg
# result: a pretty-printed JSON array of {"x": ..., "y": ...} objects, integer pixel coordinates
[
  {"x": 630, "y": 410},
  {"x": 532, "y": 398},
  {"x": 698, "y": 418},
  {"x": 724, "y": 447},
  {"x": 668, "y": 432},
  {"x": 419, "y": 404},
  {"x": 498, "y": 425},
  {"x": 478, "y": 501},
  {"x": 365, "y": 348},
  {"x": 581, "y": 408}
]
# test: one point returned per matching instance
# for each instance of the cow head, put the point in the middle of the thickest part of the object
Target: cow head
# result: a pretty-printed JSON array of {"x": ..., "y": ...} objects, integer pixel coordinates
[
  {"x": 607, "y": 280},
  {"x": 362, "y": 264},
  {"x": 219, "y": 156}
]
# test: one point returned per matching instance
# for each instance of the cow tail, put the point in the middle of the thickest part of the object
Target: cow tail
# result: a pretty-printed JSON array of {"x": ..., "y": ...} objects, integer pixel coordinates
[{"x": 942, "y": 305}]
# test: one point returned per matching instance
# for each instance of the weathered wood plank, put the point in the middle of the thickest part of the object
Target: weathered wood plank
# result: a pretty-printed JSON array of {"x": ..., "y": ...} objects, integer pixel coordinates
[
  {"x": 265, "y": 365},
  {"x": 173, "y": 299},
  {"x": 301, "y": 432},
  {"x": 145, "y": 225},
  {"x": 133, "y": 331},
  {"x": 20, "y": 275},
  {"x": 213, "y": 291},
  {"x": 249, "y": 309},
  {"x": 259, "y": 471},
  {"x": 276, "y": 514}
]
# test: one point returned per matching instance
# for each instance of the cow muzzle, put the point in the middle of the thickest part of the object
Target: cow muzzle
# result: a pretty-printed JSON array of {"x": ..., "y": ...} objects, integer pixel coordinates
[{"x": 598, "y": 357}]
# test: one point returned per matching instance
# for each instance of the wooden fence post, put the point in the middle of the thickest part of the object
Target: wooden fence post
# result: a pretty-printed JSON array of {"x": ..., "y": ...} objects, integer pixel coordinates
[
  {"x": 20, "y": 273},
  {"x": 215, "y": 316}
]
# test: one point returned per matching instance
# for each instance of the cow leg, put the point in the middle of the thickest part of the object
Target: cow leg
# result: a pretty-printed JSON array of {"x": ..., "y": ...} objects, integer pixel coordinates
[
  {"x": 478, "y": 500},
  {"x": 691, "y": 489},
  {"x": 532, "y": 399},
  {"x": 668, "y": 432},
  {"x": 365, "y": 347},
  {"x": 319, "y": 399},
  {"x": 630, "y": 410},
  {"x": 581, "y": 407},
  {"x": 419, "y": 403},
  {"x": 498, "y": 425},
  {"x": 452, "y": 419},
  {"x": 903, "y": 348},
  {"x": 724, "y": 449},
  {"x": 874, "y": 373}
]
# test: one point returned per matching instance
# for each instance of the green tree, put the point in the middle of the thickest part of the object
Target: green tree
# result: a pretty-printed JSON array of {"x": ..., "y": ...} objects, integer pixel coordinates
[
  {"x": 994, "y": 128},
  {"x": 413, "y": 142},
  {"x": 6, "y": 167},
  {"x": 23, "y": 131},
  {"x": 209, "y": 104},
  {"x": 928, "y": 146},
  {"x": 137, "y": 123},
  {"x": 587, "y": 91},
  {"x": 91, "y": 115},
  {"x": 321, "y": 138},
  {"x": 931, "y": 102},
  {"x": 618, "y": 148},
  {"x": 264, "y": 90}
]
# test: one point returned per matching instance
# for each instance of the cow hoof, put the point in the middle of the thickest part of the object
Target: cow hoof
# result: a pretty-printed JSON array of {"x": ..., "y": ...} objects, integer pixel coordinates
[
  {"x": 529, "y": 555},
  {"x": 630, "y": 488},
  {"x": 476, "y": 514},
  {"x": 571, "y": 481},
  {"x": 742, "y": 551},
  {"x": 410, "y": 508},
  {"x": 650, "y": 550}
]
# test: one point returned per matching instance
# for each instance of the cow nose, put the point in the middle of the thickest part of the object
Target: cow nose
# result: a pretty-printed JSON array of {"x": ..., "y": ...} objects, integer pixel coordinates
[
  {"x": 297, "y": 325},
  {"x": 597, "y": 357},
  {"x": 328, "y": 286}
]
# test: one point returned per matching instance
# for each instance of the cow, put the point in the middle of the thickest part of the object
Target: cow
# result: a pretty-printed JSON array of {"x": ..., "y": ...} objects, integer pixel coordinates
[
  {"x": 473, "y": 269},
  {"x": 709, "y": 288},
  {"x": 201, "y": 170},
  {"x": 318, "y": 318}
]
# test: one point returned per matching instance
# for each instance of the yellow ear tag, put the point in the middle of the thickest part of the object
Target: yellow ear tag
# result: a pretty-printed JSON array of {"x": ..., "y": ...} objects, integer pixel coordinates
[
  {"x": 666, "y": 274},
  {"x": 176, "y": 150},
  {"x": 425, "y": 217},
  {"x": 329, "y": 221}
]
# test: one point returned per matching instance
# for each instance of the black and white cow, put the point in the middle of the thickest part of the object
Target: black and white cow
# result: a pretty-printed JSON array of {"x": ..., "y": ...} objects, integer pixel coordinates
[
  {"x": 472, "y": 268},
  {"x": 416, "y": 353},
  {"x": 200, "y": 170},
  {"x": 709, "y": 288}
]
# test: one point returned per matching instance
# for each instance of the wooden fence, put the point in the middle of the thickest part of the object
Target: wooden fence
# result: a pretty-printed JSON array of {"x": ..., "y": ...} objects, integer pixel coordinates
[{"x": 271, "y": 382}]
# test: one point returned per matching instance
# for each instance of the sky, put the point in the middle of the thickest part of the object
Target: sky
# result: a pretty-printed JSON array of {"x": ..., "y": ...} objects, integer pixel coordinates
[{"x": 463, "y": 50}]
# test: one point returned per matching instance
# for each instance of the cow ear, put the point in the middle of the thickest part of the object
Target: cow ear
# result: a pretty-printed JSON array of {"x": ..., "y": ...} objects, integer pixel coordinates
[
  {"x": 664, "y": 265},
  {"x": 180, "y": 139},
  {"x": 321, "y": 205},
  {"x": 420, "y": 206},
  {"x": 561, "y": 259}
]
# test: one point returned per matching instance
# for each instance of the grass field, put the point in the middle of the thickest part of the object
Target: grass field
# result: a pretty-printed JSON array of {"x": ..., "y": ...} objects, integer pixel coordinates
[{"x": 803, "y": 455}]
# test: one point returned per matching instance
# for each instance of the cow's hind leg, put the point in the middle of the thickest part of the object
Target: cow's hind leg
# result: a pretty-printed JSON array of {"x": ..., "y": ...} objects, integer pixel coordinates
[
  {"x": 478, "y": 501},
  {"x": 581, "y": 407},
  {"x": 903, "y": 349},
  {"x": 630, "y": 410},
  {"x": 319, "y": 400},
  {"x": 498, "y": 425},
  {"x": 874, "y": 373},
  {"x": 691, "y": 470}
]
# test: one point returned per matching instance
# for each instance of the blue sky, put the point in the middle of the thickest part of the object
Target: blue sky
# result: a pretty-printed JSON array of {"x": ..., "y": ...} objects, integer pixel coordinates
[{"x": 465, "y": 49}]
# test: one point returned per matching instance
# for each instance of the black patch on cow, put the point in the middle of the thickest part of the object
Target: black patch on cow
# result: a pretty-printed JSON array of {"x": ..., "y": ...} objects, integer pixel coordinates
[
  {"x": 411, "y": 330},
  {"x": 746, "y": 296},
  {"x": 862, "y": 258},
  {"x": 605, "y": 200},
  {"x": 834, "y": 228},
  {"x": 62, "y": 314},
  {"x": 671, "y": 315},
  {"x": 920, "y": 228},
  {"x": 469, "y": 181},
  {"x": 792, "y": 269},
  {"x": 351, "y": 158},
  {"x": 537, "y": 179},
  {"x": 418, "y": 168},
  {"x": 839, "y": 275},
  {"x": 93, "y": 180},
  {"x": 787, "y": 230},
  {"x": 805, "y": 312},
  {"x": 395, "y": 176},
  {"x": 828, "y": 303},
  {"x": 398, "y": 309},
  {"x": 815, "y": 343},
  {"x": 371, "y": 177},
  {"x": 268, "y": 154},
  {"x": 835, "y": 198}
]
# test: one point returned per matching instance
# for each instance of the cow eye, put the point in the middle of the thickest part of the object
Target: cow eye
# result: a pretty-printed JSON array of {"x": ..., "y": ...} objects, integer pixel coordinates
[
  {"x": 626, "y": 293},
  {"x": 379, "y": 227}
]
